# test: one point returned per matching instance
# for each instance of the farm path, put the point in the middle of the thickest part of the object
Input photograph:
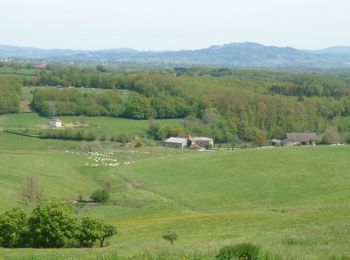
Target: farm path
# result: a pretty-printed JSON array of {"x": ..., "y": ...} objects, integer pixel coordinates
[
  {"x": 26, "y": 106},
  {"x": 159, "y": 194}
]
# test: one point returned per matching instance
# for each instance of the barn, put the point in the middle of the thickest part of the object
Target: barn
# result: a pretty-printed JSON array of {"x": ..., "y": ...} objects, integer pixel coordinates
[
  {"x": 176, "y": 142},
  {"x": 294, "y": 139},
  {"x": 204, "y": 142}
]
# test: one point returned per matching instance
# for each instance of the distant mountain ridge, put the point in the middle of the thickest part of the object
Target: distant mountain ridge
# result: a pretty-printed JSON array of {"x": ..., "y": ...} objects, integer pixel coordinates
[{"x": 247, "y": 54}]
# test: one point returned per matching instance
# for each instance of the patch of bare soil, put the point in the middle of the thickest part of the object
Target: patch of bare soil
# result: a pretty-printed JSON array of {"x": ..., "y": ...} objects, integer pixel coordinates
[{"x": 25, "y": 107}]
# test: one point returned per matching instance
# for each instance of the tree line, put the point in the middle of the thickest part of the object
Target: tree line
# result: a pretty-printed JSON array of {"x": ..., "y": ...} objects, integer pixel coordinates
[
  {"x": 226, "y": 104},
  {"x": 51, "y": 225},
  {"x": 240, "y": 106},
  {"x": 111, "y": 103},
  {"x": 10, "y": 95}
]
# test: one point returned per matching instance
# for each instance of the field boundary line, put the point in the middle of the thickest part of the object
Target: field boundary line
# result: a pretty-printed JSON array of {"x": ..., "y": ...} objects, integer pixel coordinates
[{"x": 22, "y": 134}]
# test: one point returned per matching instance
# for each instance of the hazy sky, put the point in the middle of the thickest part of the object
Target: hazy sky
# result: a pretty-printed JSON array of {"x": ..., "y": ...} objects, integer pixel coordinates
[{"x": 173, "y": 24}]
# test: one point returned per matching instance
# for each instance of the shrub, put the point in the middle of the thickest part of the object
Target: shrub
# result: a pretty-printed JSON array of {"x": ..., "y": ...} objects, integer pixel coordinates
[
  {"x": 14, "y": 228},
  {"x": 245, "y": 251},
  {"x": 139, "y": 143},
  {"x": 170, "y": 236},
  {"x": 100, "y": 196},
  {"x": 123, "y": 138},
  {"x": 68, "y": 134},
  {"x": 52, "y": 225},
  {"x": 92, "y": 230}
]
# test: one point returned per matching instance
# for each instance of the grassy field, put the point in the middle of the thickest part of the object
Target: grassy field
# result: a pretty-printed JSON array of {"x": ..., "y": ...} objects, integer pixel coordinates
[
  {"x": 22, "y": 72},
  {"x": 107, "y": 126},
  {"x": 293, "y": 202}
]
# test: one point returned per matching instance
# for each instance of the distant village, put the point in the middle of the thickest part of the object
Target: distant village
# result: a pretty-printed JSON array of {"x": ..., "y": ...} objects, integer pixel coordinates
[{"x": 293, "y": 139}]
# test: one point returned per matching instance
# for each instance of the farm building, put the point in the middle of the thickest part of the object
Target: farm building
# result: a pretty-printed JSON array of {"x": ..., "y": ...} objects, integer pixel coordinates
[
  {"x": 41, "y": 66},
  {"x": 276, "y": 142},
  {"x": 294, "y": 139},
  {"x": 176, "y": 142},
  {"x": 204, "y": 142},
  {"x": 190, "y": 140},
  {"x": 55, "y": 122},
  {"x": 187, "y": 141}
]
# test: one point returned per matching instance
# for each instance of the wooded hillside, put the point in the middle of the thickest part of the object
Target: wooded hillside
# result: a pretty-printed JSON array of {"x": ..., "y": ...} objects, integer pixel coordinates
[
  {"x": 225, "y": 104},
  {"x": 10, "y": 95}
]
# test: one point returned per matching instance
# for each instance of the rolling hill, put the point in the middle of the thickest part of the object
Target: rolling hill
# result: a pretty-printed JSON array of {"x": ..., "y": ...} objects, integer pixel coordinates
[{"x": 246, "y": 54}]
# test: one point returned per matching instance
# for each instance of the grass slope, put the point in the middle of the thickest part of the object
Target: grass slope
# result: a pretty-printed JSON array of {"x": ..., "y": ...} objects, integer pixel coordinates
[
  {"x": 292, "y": 202},
  {"x": 101, "y": 125}
]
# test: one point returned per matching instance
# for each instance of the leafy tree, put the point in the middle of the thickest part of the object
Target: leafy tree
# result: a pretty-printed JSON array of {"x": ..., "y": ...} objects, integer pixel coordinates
[
  {"x": 92, "y": 230},
  {"x": 100, "y": 68},
  {"x": 52, "y": 224},
  {"x": 155, "y": 131},
  {"x": 261, "y": 138},
  {"x": 10, "y": 95},
  {"x": 14, "y": 228},
  {"x": 331, "y": 136},
  {"x": 100, "y": 196},
  {"x": 170, "y": 236},
  {"x": 33, "y": 192}
]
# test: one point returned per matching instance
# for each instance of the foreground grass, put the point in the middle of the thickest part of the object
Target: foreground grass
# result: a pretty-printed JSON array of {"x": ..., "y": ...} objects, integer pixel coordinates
[{"x": 292, "y": 202}]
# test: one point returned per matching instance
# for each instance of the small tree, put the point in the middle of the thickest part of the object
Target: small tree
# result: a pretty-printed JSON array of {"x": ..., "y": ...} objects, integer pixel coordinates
[
  {"x": 108, "y": 231},
  {"x": 331, "y": 136},
  {"x": 261, "y": 138},
  {"x": 14, "y": 228},
  {"x": 170, "y": 236},
  {"x": 155, "y": 131},
  {"x": 100, "y": 196},
  {"x": 92, "y": 230},
  {"x": 82, "y": 121},
  {"x": 32, "y": 193},
  {"x": 52, "y": 224},
  {"x": 100, "y": 68}
]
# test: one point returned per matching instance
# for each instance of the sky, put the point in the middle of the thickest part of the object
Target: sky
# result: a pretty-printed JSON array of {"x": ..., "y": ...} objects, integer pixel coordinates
[{"x": 173, "y": 24}]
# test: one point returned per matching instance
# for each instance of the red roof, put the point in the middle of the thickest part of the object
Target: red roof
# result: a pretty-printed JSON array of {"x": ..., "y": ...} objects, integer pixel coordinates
[{"x": 40, "y": 66}]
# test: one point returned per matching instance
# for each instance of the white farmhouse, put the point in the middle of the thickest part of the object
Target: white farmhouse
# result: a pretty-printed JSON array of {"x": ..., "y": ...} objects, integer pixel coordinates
[
  {"x": 176, "y": 142},
  {"x": 55, "y": 122}
]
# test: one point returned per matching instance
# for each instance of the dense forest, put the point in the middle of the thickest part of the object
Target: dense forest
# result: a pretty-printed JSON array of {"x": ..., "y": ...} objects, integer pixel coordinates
[
  {"x": 226, "y": 104},
  {"x": 10, "y": 95}
]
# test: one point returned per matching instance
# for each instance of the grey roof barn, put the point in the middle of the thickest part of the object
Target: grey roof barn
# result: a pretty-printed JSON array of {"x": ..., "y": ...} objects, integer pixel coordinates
[{"x": 301, "y": 137}]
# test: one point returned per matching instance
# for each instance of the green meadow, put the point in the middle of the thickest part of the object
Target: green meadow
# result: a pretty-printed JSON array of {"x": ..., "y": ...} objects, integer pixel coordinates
[
  {"x": 107, "y": 126},
  {"x": 292, "y": 202},
  {"x": 10, "y": 71}
]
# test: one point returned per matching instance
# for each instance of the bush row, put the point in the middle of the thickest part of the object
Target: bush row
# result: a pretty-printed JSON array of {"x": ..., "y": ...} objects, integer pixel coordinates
[{"x": 51, "y": 225}]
